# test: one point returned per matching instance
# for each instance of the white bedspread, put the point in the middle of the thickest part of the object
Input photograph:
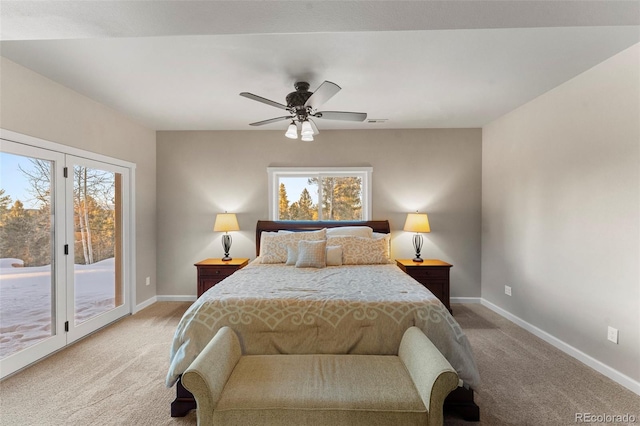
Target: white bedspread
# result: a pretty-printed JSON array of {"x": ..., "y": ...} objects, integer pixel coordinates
[{"x": 346, "y": 309}]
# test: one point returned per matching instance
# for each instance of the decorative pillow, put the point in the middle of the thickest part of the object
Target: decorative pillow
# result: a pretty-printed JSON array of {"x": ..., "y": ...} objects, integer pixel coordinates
[
  {"x": 312, "y": 254},
  {"x": 274, "y": 246},
  {"x": 292, "y": 254},
  {"x": 334, "y": 256},
  {"x": 361, "y": 251},
  {"x": 264, "y": 235},
  {"x": 387, "y": 238},
  {"x": 356, "y": 231}
]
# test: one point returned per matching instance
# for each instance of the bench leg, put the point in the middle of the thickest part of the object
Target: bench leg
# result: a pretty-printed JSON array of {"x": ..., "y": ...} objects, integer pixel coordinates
[
  {"x": 183, "y": 403},
  {"x": 460, "y": 402}
]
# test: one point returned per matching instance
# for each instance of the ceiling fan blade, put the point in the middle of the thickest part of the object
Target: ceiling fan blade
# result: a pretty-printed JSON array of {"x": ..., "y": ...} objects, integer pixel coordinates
[
  {"x": 341, "y": 115},
  {"x": 322, "y": 94},
  {"x": 271, "y": 120},
  {"x": 263, "y": 100},
  {"x": 314, "y": 127}
]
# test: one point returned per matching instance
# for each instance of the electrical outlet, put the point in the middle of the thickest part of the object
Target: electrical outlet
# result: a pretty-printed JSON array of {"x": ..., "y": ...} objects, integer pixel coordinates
[
  {"x": 148, "y": 282},
  {"x": 507, "y": 290},
  {"x": 612, "y": 335}
]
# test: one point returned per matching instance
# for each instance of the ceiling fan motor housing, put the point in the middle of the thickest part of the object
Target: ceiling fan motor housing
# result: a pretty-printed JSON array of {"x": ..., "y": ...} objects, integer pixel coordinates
[{"x": 298, "y": 98}]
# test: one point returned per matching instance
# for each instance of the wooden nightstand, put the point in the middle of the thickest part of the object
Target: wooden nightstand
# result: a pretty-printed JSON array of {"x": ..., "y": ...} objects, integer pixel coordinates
[
  {"x": 432, "y": 273},
  {"x": 212, "y": 271}
]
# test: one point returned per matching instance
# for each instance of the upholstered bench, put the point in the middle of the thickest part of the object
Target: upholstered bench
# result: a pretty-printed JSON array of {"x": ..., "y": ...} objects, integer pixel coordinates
[{"x": 407, "y": 389}]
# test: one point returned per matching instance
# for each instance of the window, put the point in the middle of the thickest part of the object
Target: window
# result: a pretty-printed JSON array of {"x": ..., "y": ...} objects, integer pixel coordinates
[{"x": 319, "y": 193}]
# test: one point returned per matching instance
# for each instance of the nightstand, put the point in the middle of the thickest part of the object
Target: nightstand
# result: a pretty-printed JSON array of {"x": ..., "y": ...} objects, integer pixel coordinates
[
  {"x": 212, "y": 271},
  {"x": 432, "y": 273}
]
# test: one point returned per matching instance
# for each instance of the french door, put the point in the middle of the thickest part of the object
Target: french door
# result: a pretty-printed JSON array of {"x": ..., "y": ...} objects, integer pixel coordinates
[
  {"x": 64, "y": 264},
  {"x": 95, "y": 233}
]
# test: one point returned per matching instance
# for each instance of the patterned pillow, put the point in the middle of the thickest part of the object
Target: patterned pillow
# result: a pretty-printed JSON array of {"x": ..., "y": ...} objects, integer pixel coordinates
[
  {"x": 361, "y": 251},
  {"x": 312, "y": 254},
  {"x": 274, "y": 249}
]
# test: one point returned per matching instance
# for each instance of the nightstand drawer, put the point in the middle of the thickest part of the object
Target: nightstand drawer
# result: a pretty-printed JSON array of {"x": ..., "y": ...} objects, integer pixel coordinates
[
  {"x": 216, "y": 271},
  {"x": 429, "y": 273},
  {"x": 212, "y": 271}
]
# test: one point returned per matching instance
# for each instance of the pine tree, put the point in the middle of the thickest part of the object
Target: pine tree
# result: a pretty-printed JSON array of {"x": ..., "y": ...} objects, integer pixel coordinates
[
  {"x": 305, "y": 206},
  {"x": 283, "y": 210},
  {"x": 294, "y": 211},
  {"x": 18, "y": 228},
  {"x": 347, "y": 199}
]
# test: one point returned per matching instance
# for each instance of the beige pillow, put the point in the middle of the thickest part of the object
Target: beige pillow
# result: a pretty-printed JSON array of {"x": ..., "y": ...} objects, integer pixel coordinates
[
  {"x": 275, "y": 245},
  {"x": 387, "y": 238},
  {"x": 312, "y": 254},
  {"x": 361, "y": 251}
]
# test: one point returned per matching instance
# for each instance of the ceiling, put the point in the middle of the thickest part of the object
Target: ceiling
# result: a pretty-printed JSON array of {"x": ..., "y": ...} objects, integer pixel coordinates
[{"x": 180, "y": 65}]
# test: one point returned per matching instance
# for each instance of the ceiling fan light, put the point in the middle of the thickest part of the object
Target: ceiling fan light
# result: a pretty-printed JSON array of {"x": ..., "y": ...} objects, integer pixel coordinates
[
  {"x": 307, "y": 130},
  {"x": 292, "y": 131},
  {"x": 307, "y": 138}
]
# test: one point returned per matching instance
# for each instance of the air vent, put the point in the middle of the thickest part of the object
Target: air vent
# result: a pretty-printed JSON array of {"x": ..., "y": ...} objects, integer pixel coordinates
[{"x": 377, "y": 120}]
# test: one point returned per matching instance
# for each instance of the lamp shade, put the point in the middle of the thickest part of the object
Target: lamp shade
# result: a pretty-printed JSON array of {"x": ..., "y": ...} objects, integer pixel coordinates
[
  {"x": 307, "y": 138},
  {"x": 417, "y": 222},
  {"x": 306, "y": 128},
  {"x": 292, "y": 131},
  {"x": 226, "y": 222}
]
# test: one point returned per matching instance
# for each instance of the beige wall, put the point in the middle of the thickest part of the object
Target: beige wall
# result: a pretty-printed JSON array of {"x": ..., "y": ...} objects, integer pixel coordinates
[
  {"x": 561, "y": 212},
  {"x": 36, "y": 106},
  {"x": 203, "y": 173}
]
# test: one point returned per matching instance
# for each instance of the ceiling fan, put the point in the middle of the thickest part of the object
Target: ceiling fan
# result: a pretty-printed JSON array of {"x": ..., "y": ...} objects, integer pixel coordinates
[{"x": 302, "y": 106}]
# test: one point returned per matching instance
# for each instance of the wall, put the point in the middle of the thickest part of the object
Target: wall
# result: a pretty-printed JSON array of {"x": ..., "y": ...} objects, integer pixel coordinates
[
  {"x": 204, "y": 173},
  {"x": 36, "y": 106},
  {"x": 561, "y": 212}
]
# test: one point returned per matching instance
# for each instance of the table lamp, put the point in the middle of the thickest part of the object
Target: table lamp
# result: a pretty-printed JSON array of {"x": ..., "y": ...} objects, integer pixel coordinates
[
  {"x": 226, "y": 222},
  {"x": 418, "y": 223}
]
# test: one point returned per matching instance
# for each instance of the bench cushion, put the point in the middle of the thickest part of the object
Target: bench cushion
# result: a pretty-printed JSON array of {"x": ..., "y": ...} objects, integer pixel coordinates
[{"x": 320, "y": 389}]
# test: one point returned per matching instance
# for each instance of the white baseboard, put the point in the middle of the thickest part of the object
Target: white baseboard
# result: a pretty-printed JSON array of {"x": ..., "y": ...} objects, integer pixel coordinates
[
  {"x": 465, "y": 300},
  {"x": 600, "y": 367},
  {"x": 150, "y": 301},
  {"x": 176, "y": 298}
]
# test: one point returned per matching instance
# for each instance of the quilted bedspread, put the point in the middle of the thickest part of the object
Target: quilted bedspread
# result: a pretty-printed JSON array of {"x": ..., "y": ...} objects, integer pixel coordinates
[{"x": 359, "y": 309}]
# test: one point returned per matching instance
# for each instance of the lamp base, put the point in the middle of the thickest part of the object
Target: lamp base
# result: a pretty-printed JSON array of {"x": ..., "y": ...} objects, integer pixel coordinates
[
  {"x": 418, "y": 260},
  {"x": 226, "y": 246}
]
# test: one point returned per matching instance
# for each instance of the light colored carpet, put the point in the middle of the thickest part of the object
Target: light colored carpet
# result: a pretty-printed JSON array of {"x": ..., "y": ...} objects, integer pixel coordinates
[{"x": 116, "y": 377}]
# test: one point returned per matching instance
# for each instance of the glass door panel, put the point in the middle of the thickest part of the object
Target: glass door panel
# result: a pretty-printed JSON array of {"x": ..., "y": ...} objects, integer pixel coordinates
[
  {"x": 98, "y": 287},
  {"x": 31, "y": 307}
]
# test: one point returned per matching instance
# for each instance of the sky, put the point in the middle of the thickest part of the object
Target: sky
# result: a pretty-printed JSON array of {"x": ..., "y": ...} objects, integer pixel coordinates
[
  {"x": 13, "y": 181},
  {"x": 295, "y": 186}
]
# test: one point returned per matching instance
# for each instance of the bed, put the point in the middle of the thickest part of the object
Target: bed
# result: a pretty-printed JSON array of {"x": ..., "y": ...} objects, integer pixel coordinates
[{"x": 284, "y": 302}]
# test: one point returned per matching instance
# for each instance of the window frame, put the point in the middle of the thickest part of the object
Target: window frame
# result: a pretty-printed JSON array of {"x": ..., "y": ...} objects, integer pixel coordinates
[{"x": 275, "y": 173}]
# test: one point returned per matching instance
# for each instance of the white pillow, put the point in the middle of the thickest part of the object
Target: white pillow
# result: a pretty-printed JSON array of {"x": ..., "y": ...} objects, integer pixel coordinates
[
  {"x": 274, "y": 245},
  {"x": 312, "y": 254},
  {"x": 357, "y": 231},
  {"x": 361, "y": 251},
  {"x": 334, "y": 256}
]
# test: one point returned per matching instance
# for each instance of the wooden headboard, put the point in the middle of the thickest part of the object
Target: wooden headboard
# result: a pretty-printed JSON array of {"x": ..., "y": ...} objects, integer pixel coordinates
[{"x": 270, "y": 226}]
